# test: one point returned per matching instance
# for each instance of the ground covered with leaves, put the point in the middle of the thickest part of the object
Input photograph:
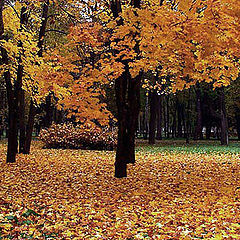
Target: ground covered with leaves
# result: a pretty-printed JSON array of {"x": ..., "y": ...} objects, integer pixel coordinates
[{"x": 169, "y": 194}]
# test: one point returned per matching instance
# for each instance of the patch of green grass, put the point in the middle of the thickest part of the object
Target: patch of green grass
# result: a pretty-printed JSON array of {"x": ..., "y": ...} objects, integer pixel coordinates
[{"x": 202, "y": 147}]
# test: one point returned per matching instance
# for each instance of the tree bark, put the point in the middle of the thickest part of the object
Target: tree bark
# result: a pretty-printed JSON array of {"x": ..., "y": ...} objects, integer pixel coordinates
[{"x": 237, "y": 117}]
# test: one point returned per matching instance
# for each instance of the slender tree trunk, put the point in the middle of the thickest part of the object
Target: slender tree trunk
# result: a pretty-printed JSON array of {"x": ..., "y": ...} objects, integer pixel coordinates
[
  {"x": 198, "y": 128},
  {"x": 174, "y": 125},
  {"x": 168, "y": 117},
  {"x": 159, "y": 118},
  {"x": 30, "y": 125},
  {"x": 237, "y": 116},
  {"x": 22, "y": 126},
  {"x": 146, "y": 126},
  {"x": 179, "y": 114},
  {"x": 153, "y": 117},
  {"x": 32, "y": 110},
  {"x": 208, "y": 130},
  {"x": 224, "y": 122}
]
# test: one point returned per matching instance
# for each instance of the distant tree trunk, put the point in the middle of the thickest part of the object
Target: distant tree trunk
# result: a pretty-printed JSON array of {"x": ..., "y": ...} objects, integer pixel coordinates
[
  {"x": 146, "y": 126},
  {"x": 188, "y": 117},
  {"x": 208, "y": 131},
  {"x": 179, "y": 114},
  {"x": 159, "y": 118},
  {"x": 168, "y": 118},
  {"x": 224, "y": 122},
  {"x": 174, "y": 125},
  {"x": 198, "y": 128},
  {"x": 237, "y": 116},
  {"x": 153, "y": 117}
]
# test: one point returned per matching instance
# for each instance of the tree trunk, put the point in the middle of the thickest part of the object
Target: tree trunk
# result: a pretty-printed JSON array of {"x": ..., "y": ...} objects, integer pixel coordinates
[
  {"x": 179, "y": 114},
  {"x": 146, "y": 126},
  {"x": 224, "y": 123},
  {"x": 168, "y": 118},
  {"x": 198, "y": 128},
  {"x": 22, "y": 121},
  {"x": 159, "y": 118},
  {"x": 237, "y": 116},
  {"x": 153, "y": 117},
  {"x": 121, "y": 159},
  {"x": 30, "y": 125}
]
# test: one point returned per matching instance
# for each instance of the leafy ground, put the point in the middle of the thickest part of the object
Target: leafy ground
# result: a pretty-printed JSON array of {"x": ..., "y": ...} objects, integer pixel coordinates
[{"x": 171, "y": 193}]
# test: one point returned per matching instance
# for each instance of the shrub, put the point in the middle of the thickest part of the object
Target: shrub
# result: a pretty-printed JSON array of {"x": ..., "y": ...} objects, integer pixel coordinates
[{"x": 79, "y": 137}]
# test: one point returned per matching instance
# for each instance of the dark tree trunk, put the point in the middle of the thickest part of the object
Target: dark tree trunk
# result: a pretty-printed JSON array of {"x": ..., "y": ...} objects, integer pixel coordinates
[
  {"x": 49, "y": 112},
  {"x": 179, "y": 114},
  {"x": 32, "y": 109},
  {"x": 168, "y": 117},
  {"x": 188, "y": 117},
  {"x": 174, "y": 125},
  {"x": 146, "y": 126},
  {"x": 133, "y": 112},
  {"x": 159, "y": 118},
  {"x": 121, "y": 153},
  {"x": 224, "y": 122},
  {"x": 237, "y": 116},
  {"x": 12, "y": 134},
  {"x": 22, "y": 125},
  {"x": 198, "y": 128},
  {"x": 153, "y": 117},
  {"x": 128, "y": 100},
  {"x": 30, "y": 125},
  {"x": 208, "y": 130}
]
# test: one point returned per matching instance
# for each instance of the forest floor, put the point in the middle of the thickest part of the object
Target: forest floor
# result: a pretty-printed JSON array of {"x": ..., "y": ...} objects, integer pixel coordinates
[{"x": 173, "y": 191}]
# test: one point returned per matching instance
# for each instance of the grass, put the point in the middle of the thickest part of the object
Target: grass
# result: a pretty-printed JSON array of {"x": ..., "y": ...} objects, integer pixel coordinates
[{"x": 180, "y": 146}]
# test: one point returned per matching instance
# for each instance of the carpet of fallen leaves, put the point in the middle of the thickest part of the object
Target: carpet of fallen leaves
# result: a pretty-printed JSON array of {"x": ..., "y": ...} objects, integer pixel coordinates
[{"x": 72, "y": 194}]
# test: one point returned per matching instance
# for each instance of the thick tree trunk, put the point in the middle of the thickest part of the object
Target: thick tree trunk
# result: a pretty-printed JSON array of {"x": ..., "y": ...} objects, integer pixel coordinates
[
  {"x": 133, "y": 112},
  {"x": 153, "y": 117},
  {"x": 12, "y": 133},
  {"x": 224, "y": 122},
  {"x": 30, "y": 125},
  {"x": 159, "y": 118},
  {"x": 121, "y": 153}
]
